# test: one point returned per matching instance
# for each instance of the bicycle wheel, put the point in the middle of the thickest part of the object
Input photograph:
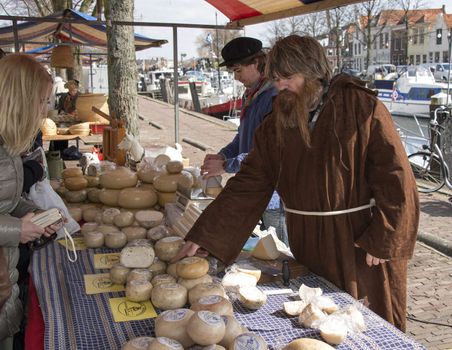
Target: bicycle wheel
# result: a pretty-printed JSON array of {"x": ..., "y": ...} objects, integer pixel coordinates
[{"x": 428, "y": 170}]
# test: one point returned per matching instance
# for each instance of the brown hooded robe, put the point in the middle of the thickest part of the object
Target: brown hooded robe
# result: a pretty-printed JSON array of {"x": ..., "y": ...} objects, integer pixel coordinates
[{"x": 356, "y": 155}]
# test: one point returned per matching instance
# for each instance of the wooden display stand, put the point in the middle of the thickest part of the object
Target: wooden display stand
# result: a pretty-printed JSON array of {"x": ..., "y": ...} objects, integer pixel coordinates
[{"x": 112, "y": 136}]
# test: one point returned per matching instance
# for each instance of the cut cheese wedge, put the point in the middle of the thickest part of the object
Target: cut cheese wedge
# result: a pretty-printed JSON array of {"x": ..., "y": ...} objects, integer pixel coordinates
[
  {"x": 307, "y": 344},
  {"x": 266, "y": 249}
]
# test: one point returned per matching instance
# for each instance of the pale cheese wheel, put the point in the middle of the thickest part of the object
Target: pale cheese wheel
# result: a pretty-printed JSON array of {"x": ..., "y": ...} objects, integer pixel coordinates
[
  {"x": 158, "y": 232},
  {"x": 307, "y": 344},
  {"x": 75, "y": 213},
  {"x": 310, "y": 314},
  {"x": 109, "y": 197},
  {"x": 134, "y": 232},
  {"x": 165, "y": 198},
  {"x": 149, "y": 218},
  {"x": 206, "y": 328},
  {"x": 138, "y": 290},
  {"x": 147, "y": 174},
  {"x": 166, "y": 182},
  {"x": 118, "y": 178},
  {"x": 89, "y": 227},
  {"x": 213, "y": 191},
  {"x": 139, "y": 274},
  {"x": 168, "y": 247},
  {"x": 75, "y": 196},
  {"x": 213, "y": 347},
  {"x": 294, "y": 308},
  {"x": 89, "y": 214},
  {"x": 164, "y": 343},
  {"x": 93, "y": 195},
  {"x": 140, "y": 343},
  {"x": 252, "y": 297},
  {"x": 190, "y": 283},
  {"x": 71, "y": 172},
  {"x": 205, "y": 289},
  {"x": 137, "y": 254},
  {"x": 115, "y": 240},
  {"x": 333, "y": 332},
  {"x": 94, "y": 239},
  {"x": 107, "y": 228},
  {"x": 158, "y": 267},
  {"x": 108, "y": 215},
  {"x": 75, "y": 183},
  {"x": 234, "y": 280},
  {"x": 172, "y": 324},
  {"x": 172, "y": 270},
  {"x": 161, "y": 160},
  {"x": 246, "y": 341},
  {"x": 124, "y": 219},
  {"x": 214, "y": 303},
  {"x": 266, "y": 249},
  {"x": 165, "y": 278},
  {"x": 118, "y": 273},
  {"x": 168, "y": 296},
  {"x": 61, "y": 190},
  {"x": 192, "y": 267},
  {"x": 137, "y": 198},
  {"x": 93, "y": 181},
  {"x": 174, "y": 167},
  {"x": 185, "y": 179},
  {"x": 233, "y": 329}
]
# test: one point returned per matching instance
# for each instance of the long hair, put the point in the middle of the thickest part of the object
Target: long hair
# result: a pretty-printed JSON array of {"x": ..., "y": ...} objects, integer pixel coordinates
[{"x": 23, "y": 87}]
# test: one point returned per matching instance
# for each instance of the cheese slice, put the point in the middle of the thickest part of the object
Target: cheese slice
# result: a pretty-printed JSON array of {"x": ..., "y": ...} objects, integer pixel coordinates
[{"x": 266, "y": 249}]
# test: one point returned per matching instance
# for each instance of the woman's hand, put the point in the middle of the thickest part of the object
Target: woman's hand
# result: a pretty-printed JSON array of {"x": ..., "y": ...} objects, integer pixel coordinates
[
  {"x": 30, "y": 231},
  {"x": 189, "y": 249},
  {"x": 213, "y": 165},
  {"x": 372, "y": 260}
]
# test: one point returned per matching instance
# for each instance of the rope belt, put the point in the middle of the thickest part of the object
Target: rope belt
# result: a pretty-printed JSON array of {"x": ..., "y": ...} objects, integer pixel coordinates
[{"x": 329, "y": 213}]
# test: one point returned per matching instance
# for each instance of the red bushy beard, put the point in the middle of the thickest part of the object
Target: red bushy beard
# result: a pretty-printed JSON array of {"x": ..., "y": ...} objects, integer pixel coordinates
[{"x": 292, "y": 110}]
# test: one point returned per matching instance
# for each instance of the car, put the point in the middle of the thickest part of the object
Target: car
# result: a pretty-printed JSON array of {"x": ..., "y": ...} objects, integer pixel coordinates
[{"x": 442, "y": 71}]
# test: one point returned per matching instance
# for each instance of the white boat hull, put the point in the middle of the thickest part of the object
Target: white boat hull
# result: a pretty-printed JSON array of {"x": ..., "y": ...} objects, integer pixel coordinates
[{"x": 408, "y": 107}]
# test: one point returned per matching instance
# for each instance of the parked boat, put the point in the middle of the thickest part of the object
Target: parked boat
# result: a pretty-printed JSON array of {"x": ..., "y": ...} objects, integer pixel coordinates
[
  {"x": 410, "y": 93},
  {"x": 229, "y": 108}
]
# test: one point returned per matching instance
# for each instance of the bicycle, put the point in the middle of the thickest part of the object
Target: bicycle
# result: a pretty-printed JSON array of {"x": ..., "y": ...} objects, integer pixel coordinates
[{"x": 429, "y": 167}]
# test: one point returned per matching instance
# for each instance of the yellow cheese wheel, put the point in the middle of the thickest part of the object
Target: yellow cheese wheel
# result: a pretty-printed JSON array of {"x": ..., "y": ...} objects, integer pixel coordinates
[
  {"x": 75, "y": 213},
  {"x": 168, "y": 247},
  {"x": 75, "y": 183},
  {"x": 109, "y": 197},
  {"x": 137, "y": 198},
  {"x": 118, "y": 274},
  {"x": 149, "y": 218},
  {"x": 190, "y": 283},
  {"x": 119, "y": 178},
  {"x": 174, "y": 167},
  {"x": 166, "y": 197},
  {"x": 89, "y": 214},
  {"x": 138, "y": 290},
  {"x": 166, "y": 182},
  {"x": 93, "y": 195},
  {"x": 71, "y": 172},
  {"x": 192, "y": 267},
  {"x": 206, "y": 328},
  {"x": 172, "y": 324},
  {"x": 168, "y": 296},
  {"x": 205, "y": 289},
  {"x": 93, "y": 181},
  {"x": 115, "y": 240},
  {"x": 94, "y": 239}
]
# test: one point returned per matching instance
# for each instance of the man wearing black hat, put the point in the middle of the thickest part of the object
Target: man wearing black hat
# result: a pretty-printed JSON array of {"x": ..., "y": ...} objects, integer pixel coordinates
[{"x": 245, "y": 58}]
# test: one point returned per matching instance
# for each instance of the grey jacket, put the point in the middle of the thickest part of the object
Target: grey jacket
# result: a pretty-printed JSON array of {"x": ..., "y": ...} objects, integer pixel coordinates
[{"x": 12, "y": 208}]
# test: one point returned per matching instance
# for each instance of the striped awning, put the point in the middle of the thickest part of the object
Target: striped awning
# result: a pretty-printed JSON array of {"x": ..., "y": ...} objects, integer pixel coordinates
[
  {"x": 79, "y": 33},
  {"x": 246, "y": 12}
]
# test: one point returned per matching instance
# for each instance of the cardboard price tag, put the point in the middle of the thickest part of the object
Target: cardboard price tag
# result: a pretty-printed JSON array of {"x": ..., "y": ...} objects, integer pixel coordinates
[
  {"x": 101, "y": 283},
  {"x": 106, "y": 261},
  {"x": 78, "y": 242},
  {"x": 125, "y": 310}
]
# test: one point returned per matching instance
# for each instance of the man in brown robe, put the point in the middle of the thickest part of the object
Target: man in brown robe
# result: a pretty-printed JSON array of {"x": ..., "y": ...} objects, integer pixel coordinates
[{"x": 349, "y": 154}]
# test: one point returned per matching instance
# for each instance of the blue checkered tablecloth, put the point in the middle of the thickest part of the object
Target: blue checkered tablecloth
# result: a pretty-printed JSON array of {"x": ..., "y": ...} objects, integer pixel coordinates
[{"x": 74, "y": 320}]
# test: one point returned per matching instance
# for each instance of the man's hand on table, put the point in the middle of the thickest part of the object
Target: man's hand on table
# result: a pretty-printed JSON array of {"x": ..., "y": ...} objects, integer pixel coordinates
[
  {"x": 190, "y": 249},
  {"x": 213, "y": 165}
]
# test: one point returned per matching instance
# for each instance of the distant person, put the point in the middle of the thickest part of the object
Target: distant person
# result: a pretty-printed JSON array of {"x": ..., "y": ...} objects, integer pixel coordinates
[
  {"x": 245, "y": 58},
  {"x": 68, "y": 101}
]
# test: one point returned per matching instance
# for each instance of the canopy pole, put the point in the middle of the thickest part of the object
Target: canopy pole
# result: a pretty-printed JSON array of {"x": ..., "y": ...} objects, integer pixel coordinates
[
  {"x": 91, "y": 72},
  {"x": 176, "y": 87},
  {"x": 16, "y": 37}
]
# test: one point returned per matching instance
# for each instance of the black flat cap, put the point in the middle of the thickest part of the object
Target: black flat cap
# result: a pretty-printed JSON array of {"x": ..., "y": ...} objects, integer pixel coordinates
[{"x": 239, "y": 49}]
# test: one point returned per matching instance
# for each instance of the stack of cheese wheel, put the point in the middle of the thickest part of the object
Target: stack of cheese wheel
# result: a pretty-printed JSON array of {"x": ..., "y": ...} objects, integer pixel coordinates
[
  {"x": 169, "y": 296},
  {"x": 81, "y": 129},
  {"x": 113, "y": 181},
  {"x": 214, "y": 303},
  {"x": 192, "y": 271},
  {"x": 148, "y": 218},
  {"x": 206, "y": 328},
  {"x": 168, "y": 247},
  {"x": 75, "y": 184}
]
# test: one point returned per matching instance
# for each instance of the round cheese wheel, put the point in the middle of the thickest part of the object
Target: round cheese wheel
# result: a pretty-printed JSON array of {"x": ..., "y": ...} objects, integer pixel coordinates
[
  {"x": 165, "y": 278},
  {"x": 61, "y": 190},
  {"x": 75, "y": 213},
  {"x": 233, "y": 329},
  {"x": 71, "y": 172},
  {"x": 172, "y": 270},
  {"x": 158, "y": 232},
  {"x": 89, "y": 227},
  {"x": 75, "y": 196},
  {"x": 93, "y": 181},
  {"x": 149, "y": 218},
  {"x": 134, "y": 232},
  {"x": 190, "y": 283},
  {"x": 206, "y": 328},
  {"x": 124, "y": 219},
  {"x": 109, "y": 197},
  {"x": 161, "y": 160},
  {"x": 118, "y": 273},
  {"x": 75, "y": 183},
  {"x": 94, "y": 239},
  {"x": 164, "y": 343},
  {"x": 252, "y": 297},
  {"x": 93, "y": 195},
  {"x": 166, "y": 182},
  {"x": 115, "y": 240},
  {"x": 168, "y": 247},
  {"x": 164, "y": 198},
  {"x": 89, "y": 214},
  {"x": 185, "y": 179},
  {"x": 213, "y": 347},
  {"x": 247, "y": 341},
  {"x": 192, "y": 267},
  {"x": 140, "y": 343},
  {"x": 158, "y": 267},
  {"x": 119, "y": 178},
  {"x": 139, "y": 274},
  {"x": 107, "y": 228},
  {"x": 168, "y": 296},
  {"x": 138, "y": 254},
  {"x": 205, "y": 289},
  {"x": 214, "y": 303},
  {"x": 147, "y": 174},
  {"x": 137, "y": 198},
  {"x": 307, "y": 344},
  {"x": 138, "y": 290},
  {"x": 174, "y": 167},
  {"x": 108, "y": 215},
  {"x": 172, "y": 324}
]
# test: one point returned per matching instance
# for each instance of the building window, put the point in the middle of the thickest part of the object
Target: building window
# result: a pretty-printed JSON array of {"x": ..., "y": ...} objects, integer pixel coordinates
[
  {"x": 397, "y": 43},
  {"x": 418, "y": 59},
  {"x": 415, "y": 36},
  {"x": 359, "y": 48},
  {"x": 436, "y": 57},
  {"x": 411, "y": 59},
  {"x": 439, "y": 36},
  {"x": 375, "y": 42},
  {"x": 421, "y": 35},
  {"x": 381, "y": 41},
  {"x": 445, "y": 56},
  {"x": 424, "y": 58},
  {"x": 355, "y": 50},
  {"x": 394, "y": 60},
  {"x": 386, "y": 40}
]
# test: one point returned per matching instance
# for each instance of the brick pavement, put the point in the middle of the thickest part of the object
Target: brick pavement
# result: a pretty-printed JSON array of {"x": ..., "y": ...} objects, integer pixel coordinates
[{"x": 430, "y": 272}]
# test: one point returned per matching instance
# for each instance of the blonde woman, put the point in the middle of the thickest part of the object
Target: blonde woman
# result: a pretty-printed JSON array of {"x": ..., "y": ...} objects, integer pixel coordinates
[{"x": 25, "y": 87}]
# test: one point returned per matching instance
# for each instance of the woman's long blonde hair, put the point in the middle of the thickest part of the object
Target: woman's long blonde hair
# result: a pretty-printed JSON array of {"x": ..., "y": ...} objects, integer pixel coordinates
[{"x": 23, "y": 87}]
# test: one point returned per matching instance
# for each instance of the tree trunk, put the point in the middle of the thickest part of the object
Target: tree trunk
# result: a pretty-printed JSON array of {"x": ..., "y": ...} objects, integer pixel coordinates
[{"x": 122, "y": 68}]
